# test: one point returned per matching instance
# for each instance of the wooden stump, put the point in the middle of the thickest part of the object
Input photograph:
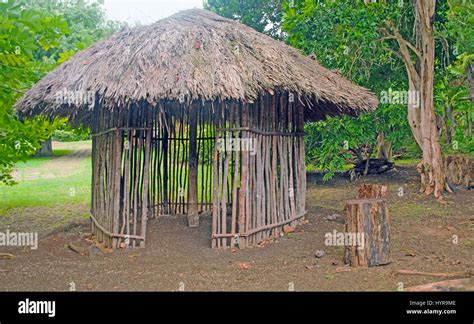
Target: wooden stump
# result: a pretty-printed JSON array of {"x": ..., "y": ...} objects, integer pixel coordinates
[
  {"x": 458, "y": 170},
  {"x": 366, "y": 233},
  {"x": 372, "y": 191},
  {"x": 45, "y": 150}
]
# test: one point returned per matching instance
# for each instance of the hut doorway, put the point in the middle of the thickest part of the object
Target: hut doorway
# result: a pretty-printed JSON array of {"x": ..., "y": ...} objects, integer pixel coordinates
[{"x": 243, "y": 163}]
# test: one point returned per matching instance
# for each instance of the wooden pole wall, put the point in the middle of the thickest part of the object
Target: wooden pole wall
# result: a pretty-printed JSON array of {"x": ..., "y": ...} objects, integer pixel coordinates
[
  {"x": 262, "y": 175},
  {"x": 244, "y": 162}
]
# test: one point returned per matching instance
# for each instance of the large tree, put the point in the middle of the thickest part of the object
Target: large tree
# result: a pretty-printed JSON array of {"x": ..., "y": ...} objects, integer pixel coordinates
[
  {"x": 344, "y": 36},
  {"x": 420, "y": 72},
  {"x": 365, "y": 40}
]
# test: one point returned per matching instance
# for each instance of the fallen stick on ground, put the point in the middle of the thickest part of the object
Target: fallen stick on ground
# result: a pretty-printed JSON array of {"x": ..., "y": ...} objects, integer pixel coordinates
[
  {"x": 7, "y": 256},
  {"x": 435, "y": 274},
  {"x": 78, "y": 249},
  {"x": 448, "y": 285},
  {"x": 347, "y": 269}
]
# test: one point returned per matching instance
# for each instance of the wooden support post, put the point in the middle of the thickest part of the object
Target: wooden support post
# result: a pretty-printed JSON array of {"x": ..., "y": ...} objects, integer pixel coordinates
[
  {"x": 117, "y": 165},
  {"x": 235, "y": 184},
  {"x": 366, "y": 233},
  {"x": 302, "y": 162},
  {"x": 166, "y": 209},
  {"x": 215, "y": 203},
  {"x": 243, "y": 196},
  {"x": 193, "y": 216},
  {"x": 145, "y": 203}
]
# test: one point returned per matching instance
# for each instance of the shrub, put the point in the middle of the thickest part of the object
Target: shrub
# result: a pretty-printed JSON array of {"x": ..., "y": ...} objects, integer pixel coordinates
[{"x": 71, "y": 135}]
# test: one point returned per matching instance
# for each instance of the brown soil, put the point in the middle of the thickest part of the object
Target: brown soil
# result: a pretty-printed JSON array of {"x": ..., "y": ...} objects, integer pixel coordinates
[{"x": 178, "y": 257}]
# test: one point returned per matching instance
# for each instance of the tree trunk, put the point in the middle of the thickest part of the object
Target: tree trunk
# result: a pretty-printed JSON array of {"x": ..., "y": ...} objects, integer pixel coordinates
[
  {"x": 432, "y": 160},
  {"x": 367, "y": 223},
  {"x": 421, "y": 115},
  {"x": 46, "y": 149},
  {"x": 384, "y": 148},
  {"x": 357, "y": 153}
]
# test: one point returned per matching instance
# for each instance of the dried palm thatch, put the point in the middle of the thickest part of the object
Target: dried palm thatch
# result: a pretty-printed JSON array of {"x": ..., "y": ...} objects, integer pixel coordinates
[{"x": 192, "y": 55}]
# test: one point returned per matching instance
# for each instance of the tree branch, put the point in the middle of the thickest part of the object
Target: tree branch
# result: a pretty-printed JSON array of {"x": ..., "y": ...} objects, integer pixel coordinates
[
  {"x": 404, "y": 52},
  {"x": 12, "y": 89}
]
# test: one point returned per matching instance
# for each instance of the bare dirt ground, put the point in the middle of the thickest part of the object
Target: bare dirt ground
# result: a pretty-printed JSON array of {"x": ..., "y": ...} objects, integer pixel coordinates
[{"x": 177, "y": 257}]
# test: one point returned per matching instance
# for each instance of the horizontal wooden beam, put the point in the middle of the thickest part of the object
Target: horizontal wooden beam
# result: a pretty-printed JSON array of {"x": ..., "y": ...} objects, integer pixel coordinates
[{"x": 260, "y": 132}]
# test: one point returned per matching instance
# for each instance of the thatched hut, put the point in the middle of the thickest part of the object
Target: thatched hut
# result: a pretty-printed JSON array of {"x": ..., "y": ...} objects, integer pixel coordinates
[{"x": 193, "y": 114}]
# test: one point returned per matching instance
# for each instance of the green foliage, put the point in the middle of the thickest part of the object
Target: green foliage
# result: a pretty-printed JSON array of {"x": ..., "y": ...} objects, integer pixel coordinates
[
  {"x": 86, "y": 20},
  {"x": 264, "y": 16},
  {"x": 349, "y": 36},
  {"x": 329, "y": 142},
  {"x": 18, "y": 140},
  {"x": 330, "y": 150},
  {"x": 23, "y": 32},
  {"x": 71, "y": 135},
  {"x": 452, "y": 90},
  {"x": 460, "y": 25},
  {"x": 453, "y": 96},
  {"x": 35, "y": 36},
  {"x": 346, "y": 35}
]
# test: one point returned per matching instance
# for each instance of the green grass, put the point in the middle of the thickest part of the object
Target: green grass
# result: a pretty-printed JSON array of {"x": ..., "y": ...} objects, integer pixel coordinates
[
  {"x": 328, "y": 276},
  {"x": 62, "y": 152},
  {"x": 413, "y": 209},
  {"x": 407, "y": 161},
  {"x": 33, "y": 162},
  {"x": 73, "y": 189},
  {"x": 313, "y": 168}
]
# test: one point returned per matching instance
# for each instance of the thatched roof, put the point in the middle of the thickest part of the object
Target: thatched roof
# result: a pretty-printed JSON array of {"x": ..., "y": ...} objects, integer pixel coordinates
[{"x": 195, "y": 55}]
